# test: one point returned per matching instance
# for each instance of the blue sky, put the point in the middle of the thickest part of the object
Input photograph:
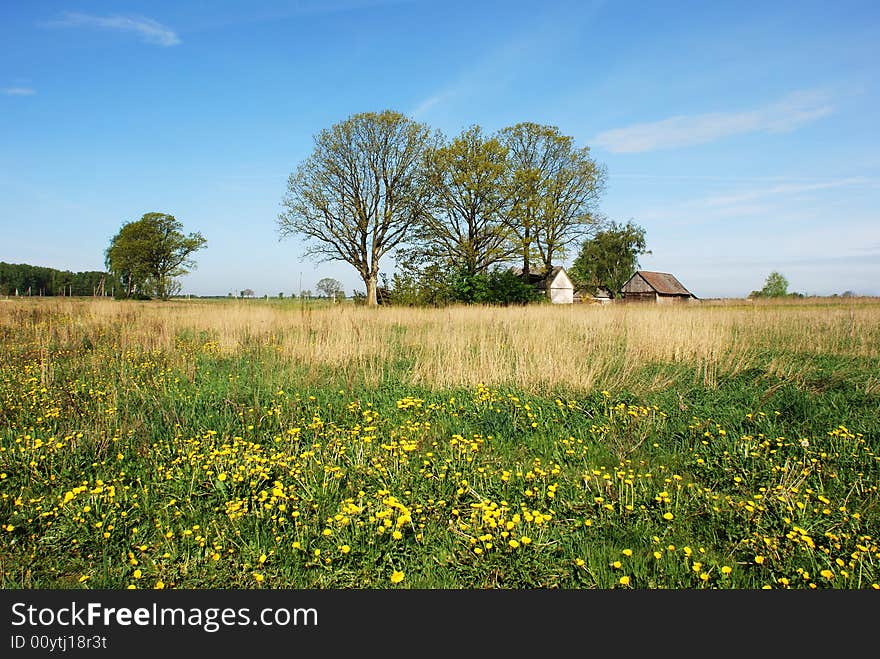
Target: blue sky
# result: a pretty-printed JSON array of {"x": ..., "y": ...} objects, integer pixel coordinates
[{"x": 743, "y": 136}]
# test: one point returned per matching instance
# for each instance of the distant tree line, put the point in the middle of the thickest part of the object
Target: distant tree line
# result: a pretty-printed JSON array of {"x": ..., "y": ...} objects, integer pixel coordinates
[{"x": 24, "y": 279}]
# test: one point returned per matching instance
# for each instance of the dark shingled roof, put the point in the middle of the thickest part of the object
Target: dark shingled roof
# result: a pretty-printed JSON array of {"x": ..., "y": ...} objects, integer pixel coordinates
[
  {"x": 538, "y": 278},
  {"x": 663, "y": 283}
]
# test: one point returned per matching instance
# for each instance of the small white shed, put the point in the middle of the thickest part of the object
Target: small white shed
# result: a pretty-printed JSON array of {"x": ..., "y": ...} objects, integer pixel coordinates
[{"x": 555, "y": 284}]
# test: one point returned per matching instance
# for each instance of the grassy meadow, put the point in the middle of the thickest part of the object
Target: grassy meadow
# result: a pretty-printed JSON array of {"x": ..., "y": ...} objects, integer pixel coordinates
[{"x": 267, "y": 444}]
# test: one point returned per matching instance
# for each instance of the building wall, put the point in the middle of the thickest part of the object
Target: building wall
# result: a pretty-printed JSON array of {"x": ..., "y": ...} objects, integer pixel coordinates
[
  {"x": 561, "y": 289},
  {"x": 562, "y": 295},
  {"x": 648, "y": 296},
  {"x": 637, "y": 285},
  {"x": 673, "y": 299}
]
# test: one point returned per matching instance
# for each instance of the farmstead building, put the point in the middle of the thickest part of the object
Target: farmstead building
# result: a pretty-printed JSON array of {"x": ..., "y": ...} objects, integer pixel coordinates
[
  {"x": 555, "y": 284},
  {"x": 659, "y": 287}
]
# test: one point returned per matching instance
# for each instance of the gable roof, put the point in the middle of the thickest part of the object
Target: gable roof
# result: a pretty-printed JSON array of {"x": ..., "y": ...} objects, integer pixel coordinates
[{"x": 662, "y": 282}]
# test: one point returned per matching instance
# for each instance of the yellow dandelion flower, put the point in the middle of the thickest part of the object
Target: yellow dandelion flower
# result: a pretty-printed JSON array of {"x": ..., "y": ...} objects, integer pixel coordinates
[
  {"x": 513, "y": 544},
  {"x": 221, "y": 477},
  {"x": 159, "y": 585},
  {"x": 668, "y": 516},
  {"x": 397, "y": 535},
  {"x": 828, "y": 574},
  {"x": 85, "y": 577},
  {"x": 658, "y": 555},
  {"x": 627, "y": 552},
  {"x": 138, "y": 574},
  {"x": 616, "y": 565},
  {"x": 345, "y": 549},
  {"x": 258, "y": 577},
  {"x": 759, "y": 560},
  {"x": 397, "y": 576},
  {"x": 726, "y": 569},
  {"x": 580, "y": 562},
  {"x": 624, "y": 581}
]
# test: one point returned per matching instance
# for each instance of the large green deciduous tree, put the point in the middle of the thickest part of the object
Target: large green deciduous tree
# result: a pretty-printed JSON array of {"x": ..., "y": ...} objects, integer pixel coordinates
[
  {"x": 609, "y": 258},
  {"x": 554, "y": 192},
  {"x": 357, "y": 195},
  {"x": 148, "y": 254},
  {"x": 465, "y": 224}
]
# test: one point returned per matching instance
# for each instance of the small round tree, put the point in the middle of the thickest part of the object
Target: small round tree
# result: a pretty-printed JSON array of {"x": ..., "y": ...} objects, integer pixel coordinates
[{"x": 775, "y": 286}]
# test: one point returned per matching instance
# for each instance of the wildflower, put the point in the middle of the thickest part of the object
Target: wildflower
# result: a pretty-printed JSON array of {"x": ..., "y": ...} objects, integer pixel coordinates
[
  {"x": 627, "y": 552},
  {"x": 397, "y": 576},
  {"x": 159, "y": 585},
  {"x": 514, "y": 544},
  {"x": 579, "y": 562},
  {"x": 726, "y": 570},
  {"x": 668, "y": 516},
  {"x": 828, "y": 574},
  {"x": 84, "y": 577},
  {"x": 258, "y": 577},
  {"x": 138, "y": 574},
  {"x": 345, "y": 549},
  {"x": 759, "y": 560},
  {"x": 624, "y": 581}
]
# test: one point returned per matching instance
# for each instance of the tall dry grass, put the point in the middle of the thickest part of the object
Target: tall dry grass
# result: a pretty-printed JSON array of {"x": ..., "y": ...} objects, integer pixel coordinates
[{"x": 533, "y": 348}]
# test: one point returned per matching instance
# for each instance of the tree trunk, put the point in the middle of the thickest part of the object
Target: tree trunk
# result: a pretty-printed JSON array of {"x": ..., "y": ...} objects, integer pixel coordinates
[{"x": 371, "y": 282}]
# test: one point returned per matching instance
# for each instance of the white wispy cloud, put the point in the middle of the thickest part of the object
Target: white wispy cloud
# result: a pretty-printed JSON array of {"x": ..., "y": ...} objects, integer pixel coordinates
[
  {"x": 787, "y": 189},
  {"x": 785, "y": 115},
  {"x": 147, "y": 29},
  {"x": 19, "y": 91},
  {"x": 765, "y": 200}
]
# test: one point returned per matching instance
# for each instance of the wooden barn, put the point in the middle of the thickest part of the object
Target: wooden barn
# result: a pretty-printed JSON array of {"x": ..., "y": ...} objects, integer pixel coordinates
[
  {"x": 660, "y": 287},
  {"x": 555, "y": 284}
]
